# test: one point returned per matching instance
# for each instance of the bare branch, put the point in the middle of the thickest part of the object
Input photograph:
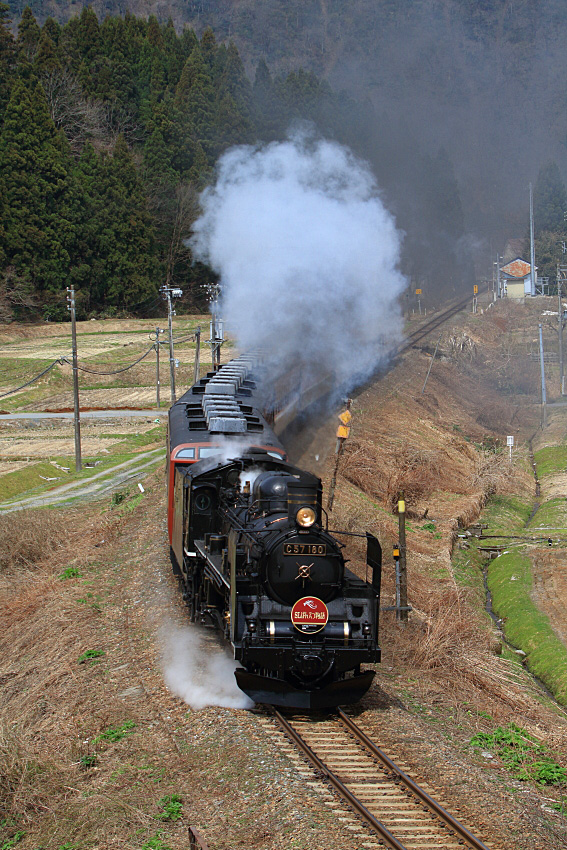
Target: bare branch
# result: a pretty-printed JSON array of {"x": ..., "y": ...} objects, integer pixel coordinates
[{"x": 78, "y": 117}]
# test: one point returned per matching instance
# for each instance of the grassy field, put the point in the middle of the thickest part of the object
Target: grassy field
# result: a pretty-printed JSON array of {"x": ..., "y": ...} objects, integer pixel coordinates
[
  {"x": 107, "y": 355},
  {"x": 38, "y": 456}
]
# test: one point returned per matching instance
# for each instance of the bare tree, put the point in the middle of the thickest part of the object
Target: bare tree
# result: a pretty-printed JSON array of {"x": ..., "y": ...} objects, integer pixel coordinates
[
  {"x": 185, "y": 212},
  {"x": 16, "y": 295},
  {"x": 78, "y": 117},
  {"x": 118, "y": 121}
]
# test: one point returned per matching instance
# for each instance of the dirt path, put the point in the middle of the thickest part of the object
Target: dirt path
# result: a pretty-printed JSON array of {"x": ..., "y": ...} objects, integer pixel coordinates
[{"x": 102, "y": 482}]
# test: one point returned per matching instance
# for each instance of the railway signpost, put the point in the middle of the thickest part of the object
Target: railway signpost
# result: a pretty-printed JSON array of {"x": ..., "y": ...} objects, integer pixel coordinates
[
  {"x": 419, "y": 293},
  {"x": 401, "y": 571}
]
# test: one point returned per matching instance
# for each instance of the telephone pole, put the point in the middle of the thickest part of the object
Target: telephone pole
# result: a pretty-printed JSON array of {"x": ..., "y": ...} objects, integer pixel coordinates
[
  {"x": 76, "y": 413},
  {"x": 542, "y": 367},
  {"x": 168, "y": 293},
  {"x": 156, "y": 346},
  {"x": 217, "y": 335},
  {"x": 197, "y": 372}
]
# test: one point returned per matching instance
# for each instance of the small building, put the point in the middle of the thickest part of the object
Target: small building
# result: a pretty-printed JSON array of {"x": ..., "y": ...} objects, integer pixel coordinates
[{"x": 515, "y": 278}]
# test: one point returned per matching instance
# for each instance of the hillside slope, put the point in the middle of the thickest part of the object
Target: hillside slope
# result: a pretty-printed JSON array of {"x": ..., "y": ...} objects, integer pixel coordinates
[{"x": 93, "y": 744}]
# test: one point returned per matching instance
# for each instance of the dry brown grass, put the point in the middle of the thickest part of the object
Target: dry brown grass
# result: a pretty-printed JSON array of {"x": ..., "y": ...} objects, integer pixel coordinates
[
  {"x": 28, "y": 780},
  {"x": 493, "y": 473},
  {"x": 29, "y": 537},
  {"x": 414, "y": 473},
  {"x": 448, "y": 633}
]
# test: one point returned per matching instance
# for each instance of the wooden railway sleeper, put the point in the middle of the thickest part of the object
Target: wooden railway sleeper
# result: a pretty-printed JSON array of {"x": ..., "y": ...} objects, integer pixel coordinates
[
  {"x": 411, "y": 788},
  {"x": 378, "y": 827}
]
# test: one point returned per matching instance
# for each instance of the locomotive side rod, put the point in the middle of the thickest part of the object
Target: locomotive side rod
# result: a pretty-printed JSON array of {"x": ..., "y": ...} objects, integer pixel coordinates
[
  {"x": 434, "y": 807},
  {"x": 328, "y": 775}
]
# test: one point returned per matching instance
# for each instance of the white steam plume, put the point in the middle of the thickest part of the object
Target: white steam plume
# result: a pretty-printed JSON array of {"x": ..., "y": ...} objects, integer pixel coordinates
[
  {"x": 307, "y": 254},
  {"x": 200, "y": 675}
]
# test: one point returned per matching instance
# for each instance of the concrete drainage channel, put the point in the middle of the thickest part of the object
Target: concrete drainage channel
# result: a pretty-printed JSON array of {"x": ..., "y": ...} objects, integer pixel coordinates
[{"x": 94, "y": 487}]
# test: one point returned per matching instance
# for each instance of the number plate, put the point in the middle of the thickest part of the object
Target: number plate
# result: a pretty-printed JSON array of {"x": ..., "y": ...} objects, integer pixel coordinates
[{"x": 312, "y": 549}]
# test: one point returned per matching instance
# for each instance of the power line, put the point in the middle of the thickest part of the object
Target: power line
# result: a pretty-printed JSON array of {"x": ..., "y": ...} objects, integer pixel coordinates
[
  {"x": 116, "y": 371},
  {"x": 59, "y": 361}
]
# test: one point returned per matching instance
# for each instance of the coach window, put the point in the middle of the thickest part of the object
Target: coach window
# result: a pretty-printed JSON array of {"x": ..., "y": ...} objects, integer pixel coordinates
[
  {"x": 185, "y": 453},
  {"x": 208, "y": 451}
]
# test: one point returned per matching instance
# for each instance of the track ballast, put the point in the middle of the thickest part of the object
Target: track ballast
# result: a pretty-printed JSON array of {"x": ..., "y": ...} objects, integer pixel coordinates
[{"x": 381, "y": 805}]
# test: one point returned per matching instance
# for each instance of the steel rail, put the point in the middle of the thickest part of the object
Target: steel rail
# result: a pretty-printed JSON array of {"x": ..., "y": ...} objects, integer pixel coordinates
[
  {"x": 385, "y": 835},
  {"x": 413, "y": 338},
  {"x": 433, "y": 324},
  {"x": 434, "y": 807}
]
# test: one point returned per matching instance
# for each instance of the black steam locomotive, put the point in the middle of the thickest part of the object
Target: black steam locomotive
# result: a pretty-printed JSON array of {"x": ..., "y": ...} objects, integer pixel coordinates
[{"x": 250, "y": 544}]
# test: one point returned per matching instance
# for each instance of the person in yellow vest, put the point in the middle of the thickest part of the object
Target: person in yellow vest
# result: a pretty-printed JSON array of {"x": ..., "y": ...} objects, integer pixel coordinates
[{"x": 343, "y": 430}]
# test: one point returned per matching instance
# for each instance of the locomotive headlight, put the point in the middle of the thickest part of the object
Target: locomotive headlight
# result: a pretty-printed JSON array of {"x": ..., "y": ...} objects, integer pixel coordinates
[
  {"x": 305, "y": 517},
  {"x": 366, "y": 628}
]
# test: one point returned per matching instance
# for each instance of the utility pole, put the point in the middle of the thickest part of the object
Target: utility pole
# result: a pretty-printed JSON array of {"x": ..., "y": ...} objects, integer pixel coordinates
[
  {"x": 197, "y": 372},
  {"x": 560, "y": 331},
  {"x": 543, "y": 396},
  {"x": 497, "y": 264},
  {"x": 217, "y": 336},
  {"x": 562, "y": 315},
  {"x": 156, "y": 346},
  {"x": 532, "y": 244},
  {"x": 76, "y": 412},
  {"x": 168, "y": 293},
  {"x": 430, "y": 365}
]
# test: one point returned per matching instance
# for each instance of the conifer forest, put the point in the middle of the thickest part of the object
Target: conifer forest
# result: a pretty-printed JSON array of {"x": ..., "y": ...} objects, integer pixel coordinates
[
  {"x": 113, "y": 117},
  {"x": 109, "y": 131},
  {"x": 111, "y": 128}
]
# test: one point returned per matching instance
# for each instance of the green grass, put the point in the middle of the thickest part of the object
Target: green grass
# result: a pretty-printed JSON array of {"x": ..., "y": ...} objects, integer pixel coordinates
[
  {"x": 527, "y": 628},
  {"x": 170, "y": 806},
  {"x": 11, "y": 842},
  {"x": 468, "y": 572},
  {"x": 91, "y": 654},
  {"x": 70, "y": 572},
  {"x": 551, "y": 514},
  {"x": 156, "y": 842},
  {"x": 27, "y": 481},
  {"x": 28, "y": 478},
  {"x": 522, "y": 753},
  {"x": 116, "y": 733},
  {"x": 505, "y": 515},
  {"x": 551, "y": 459}
]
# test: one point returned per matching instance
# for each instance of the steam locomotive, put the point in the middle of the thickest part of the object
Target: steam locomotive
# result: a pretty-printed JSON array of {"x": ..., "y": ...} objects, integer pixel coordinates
[{"x": 250, "y": 544}]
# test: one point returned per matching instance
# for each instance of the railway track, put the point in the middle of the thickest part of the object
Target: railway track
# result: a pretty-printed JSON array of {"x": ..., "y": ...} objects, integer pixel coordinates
[
  {"x": 436, "y": 321},
  {"x": 371, "y": 796}
]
